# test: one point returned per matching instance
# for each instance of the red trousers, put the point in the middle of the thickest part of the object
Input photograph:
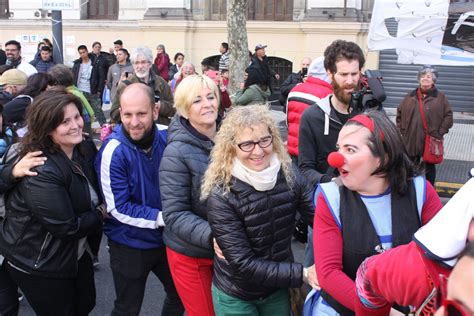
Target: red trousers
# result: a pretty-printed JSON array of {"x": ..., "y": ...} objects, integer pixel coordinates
[{"x": 193, "y": 279}]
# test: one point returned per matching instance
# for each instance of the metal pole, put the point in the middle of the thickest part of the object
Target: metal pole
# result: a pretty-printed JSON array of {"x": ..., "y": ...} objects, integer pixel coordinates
[{"x": 57, "y": 26}]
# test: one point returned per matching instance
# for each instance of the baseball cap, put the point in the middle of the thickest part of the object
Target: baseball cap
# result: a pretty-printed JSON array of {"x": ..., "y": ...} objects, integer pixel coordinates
[
  {"x": 13, "y": 77},
  {"x": 260, "y": 46}
]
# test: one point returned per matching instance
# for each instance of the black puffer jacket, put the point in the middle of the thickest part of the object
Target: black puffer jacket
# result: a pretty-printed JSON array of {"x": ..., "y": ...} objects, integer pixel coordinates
[
  {"x": 184, "y": 162},
  {"x": 254, "y": 231},
  {"x": 46, "y": 215}
]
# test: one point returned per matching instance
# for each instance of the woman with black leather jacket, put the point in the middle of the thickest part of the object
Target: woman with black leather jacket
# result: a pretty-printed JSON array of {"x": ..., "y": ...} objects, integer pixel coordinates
[
  {"x": 49, "y": 215},
  {"x": 253, "y": 196}
]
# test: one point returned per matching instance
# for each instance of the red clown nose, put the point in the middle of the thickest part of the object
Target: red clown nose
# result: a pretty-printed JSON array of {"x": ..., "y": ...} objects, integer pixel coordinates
[{"x": 336, "y": 160}]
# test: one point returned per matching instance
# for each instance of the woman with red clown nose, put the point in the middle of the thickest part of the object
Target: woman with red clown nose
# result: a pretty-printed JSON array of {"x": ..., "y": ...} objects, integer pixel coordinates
[{"x": 378, "y": 202}]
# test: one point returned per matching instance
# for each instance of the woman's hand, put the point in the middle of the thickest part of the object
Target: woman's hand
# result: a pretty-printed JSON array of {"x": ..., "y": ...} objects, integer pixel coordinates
[
  {"x": 218, "y": 250},
  {"x": 30, "y": 160},
  {"x": 310, "y": 277}
]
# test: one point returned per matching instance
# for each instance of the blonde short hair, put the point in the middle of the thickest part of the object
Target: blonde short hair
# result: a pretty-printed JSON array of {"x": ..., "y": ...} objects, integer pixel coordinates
[{"x": 189, "y": 89}]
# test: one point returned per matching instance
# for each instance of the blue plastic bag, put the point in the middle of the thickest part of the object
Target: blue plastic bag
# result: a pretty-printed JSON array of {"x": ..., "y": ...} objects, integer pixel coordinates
[{"x": 106, "y": 96}]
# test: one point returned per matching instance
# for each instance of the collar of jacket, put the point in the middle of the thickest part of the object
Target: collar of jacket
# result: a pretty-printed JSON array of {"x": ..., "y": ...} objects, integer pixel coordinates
[{"x": 433, "y": 92}]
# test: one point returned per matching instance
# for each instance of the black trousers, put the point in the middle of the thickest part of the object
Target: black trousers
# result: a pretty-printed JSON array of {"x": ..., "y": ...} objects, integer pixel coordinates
[
  {"x": 48, "y": 296},
  {"x": 8, "y": 293},
  {"x": 130, "y": 269}
]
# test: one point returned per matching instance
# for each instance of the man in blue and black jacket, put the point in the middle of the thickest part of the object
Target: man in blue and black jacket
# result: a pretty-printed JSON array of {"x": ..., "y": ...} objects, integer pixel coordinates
[{"x": 127, "y": 166}]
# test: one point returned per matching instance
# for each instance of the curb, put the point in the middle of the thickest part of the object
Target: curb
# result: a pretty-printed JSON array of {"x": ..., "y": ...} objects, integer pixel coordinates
[{"x": 447, "y": 189}]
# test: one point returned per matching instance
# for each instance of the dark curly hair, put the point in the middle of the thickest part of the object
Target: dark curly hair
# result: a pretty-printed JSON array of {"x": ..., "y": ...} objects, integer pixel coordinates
[
  {"x": 43, "y": 116},
  {"x": 339, "y": 50}
]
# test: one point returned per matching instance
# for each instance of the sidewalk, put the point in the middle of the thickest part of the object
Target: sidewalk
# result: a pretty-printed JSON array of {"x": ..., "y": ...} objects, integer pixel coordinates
[{"x": 452, "y": 173}]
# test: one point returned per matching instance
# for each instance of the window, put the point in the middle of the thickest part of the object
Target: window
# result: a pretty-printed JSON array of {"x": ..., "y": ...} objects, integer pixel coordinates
[
  {"x": 4, "y": 9},
  {"x": 102, "y": 9}
]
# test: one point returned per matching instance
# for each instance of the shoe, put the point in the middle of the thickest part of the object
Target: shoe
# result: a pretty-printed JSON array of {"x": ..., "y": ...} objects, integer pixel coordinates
[
  {"x": 20, "y": 296},
  {"x": 95, "y": 261}
]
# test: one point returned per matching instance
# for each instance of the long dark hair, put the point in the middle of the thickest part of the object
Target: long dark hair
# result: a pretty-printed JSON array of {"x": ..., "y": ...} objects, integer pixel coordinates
[
  {"x": 394, "y": 161},
  {"x": 43, "y": 116}
]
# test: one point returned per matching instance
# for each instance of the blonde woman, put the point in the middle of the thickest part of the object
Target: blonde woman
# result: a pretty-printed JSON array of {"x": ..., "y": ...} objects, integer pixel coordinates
[
  {"x": 253, "y": 196},
  {"x": 187, "y": 234}
]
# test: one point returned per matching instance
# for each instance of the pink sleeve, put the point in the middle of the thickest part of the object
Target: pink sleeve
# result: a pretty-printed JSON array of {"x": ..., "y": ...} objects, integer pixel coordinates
[
  {"x": 432, "y": 204},
  {"x": 327, "y": 239}
]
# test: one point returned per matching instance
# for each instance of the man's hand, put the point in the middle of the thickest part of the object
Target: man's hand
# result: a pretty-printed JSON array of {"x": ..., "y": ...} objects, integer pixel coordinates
[{"x": 30, "y": 160}]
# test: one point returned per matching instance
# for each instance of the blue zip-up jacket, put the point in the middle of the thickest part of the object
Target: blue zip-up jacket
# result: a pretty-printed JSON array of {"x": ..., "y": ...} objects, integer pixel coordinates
[{"x": 129, "y": 184}]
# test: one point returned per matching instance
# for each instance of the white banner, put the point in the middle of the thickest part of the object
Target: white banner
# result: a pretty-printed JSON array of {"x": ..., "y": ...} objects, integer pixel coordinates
[
  {"x": 435, "y": 32},
  {"x": 58, "y": 5}
]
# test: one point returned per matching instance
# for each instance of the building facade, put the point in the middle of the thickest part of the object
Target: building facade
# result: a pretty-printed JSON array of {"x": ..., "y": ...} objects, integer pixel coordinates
[{"x": 292, "y": 29}]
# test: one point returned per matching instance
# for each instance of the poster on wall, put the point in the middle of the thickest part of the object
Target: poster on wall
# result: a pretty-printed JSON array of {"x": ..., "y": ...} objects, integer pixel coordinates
[{"x": 436, "y": 32}]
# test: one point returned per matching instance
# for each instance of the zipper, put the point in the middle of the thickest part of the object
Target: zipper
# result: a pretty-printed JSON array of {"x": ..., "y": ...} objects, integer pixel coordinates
[{"x": 46, "y": 239}]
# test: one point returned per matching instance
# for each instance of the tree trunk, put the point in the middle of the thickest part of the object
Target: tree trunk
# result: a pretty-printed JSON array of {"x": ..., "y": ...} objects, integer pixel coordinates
[{"x": 237, "y": 37}]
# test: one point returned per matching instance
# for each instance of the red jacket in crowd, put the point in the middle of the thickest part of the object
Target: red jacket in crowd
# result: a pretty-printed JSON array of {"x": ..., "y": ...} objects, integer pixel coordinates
[{"x": 299, "y": 99}]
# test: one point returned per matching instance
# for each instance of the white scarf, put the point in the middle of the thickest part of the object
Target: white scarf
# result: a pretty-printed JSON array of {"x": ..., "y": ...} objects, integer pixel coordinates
[
  {"x": 261, "y": 180},
  {"x": 445, "y": 235}
]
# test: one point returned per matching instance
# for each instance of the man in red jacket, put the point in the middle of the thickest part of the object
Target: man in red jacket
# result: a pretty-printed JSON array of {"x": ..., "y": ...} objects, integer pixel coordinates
[{"x": 315, "y": 87}]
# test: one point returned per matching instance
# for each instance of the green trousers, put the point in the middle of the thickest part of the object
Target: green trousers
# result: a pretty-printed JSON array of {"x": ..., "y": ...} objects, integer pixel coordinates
[{"x": 277, "y": 304}]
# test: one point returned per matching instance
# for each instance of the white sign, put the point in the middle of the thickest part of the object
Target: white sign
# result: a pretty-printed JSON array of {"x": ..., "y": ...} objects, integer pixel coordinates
[
  {"x": 58, "y": 5},
  {"x": 435, "y": 32}
]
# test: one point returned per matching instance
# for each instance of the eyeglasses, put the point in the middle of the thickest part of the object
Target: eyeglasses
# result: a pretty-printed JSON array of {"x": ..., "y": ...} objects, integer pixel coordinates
[
  {"x": 248, "y": 146},
  {"x": 451, "y": 307}
]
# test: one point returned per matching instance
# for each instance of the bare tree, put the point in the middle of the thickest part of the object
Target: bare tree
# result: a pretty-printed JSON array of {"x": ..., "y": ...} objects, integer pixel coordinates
[{"x": 238, "y": 45}]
